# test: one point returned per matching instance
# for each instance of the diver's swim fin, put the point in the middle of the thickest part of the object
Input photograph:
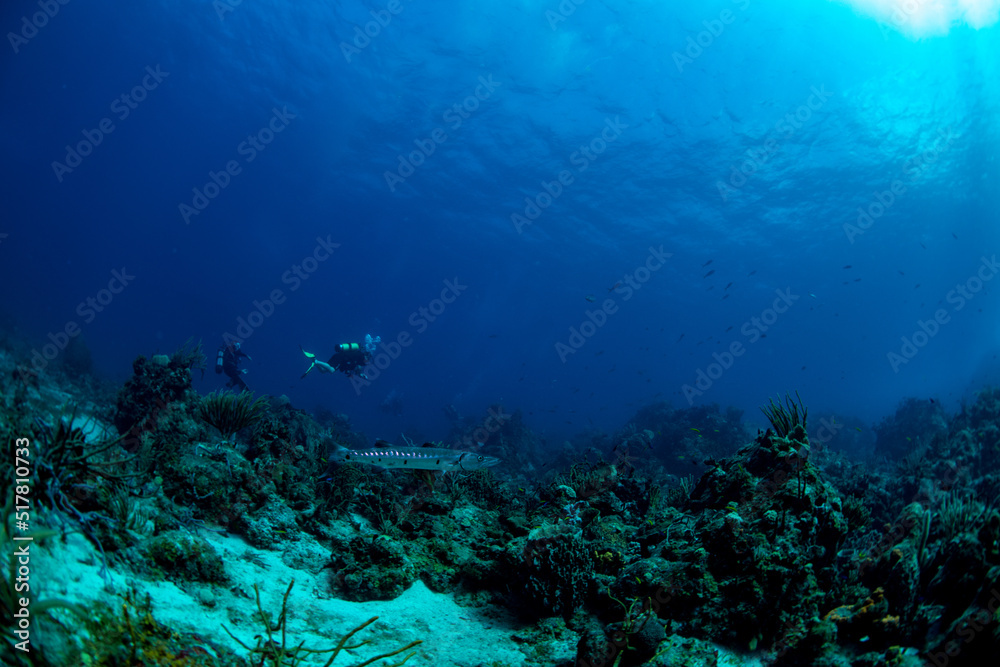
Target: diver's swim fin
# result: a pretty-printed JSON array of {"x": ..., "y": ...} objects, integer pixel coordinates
[{"x": 312, "y": 358}]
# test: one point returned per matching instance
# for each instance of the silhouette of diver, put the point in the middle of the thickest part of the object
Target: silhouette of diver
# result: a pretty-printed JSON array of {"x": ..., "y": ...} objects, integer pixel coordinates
[
  {"x": 349, "y": 359},
  {"x": 228, "y": 362}
]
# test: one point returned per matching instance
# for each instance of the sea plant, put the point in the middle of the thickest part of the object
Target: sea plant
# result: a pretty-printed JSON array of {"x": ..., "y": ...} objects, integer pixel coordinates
[
  {"x": 784, "y": 418},
  {"x": 64, "y": 462},
  {"x": 63, "y": 453},
  {"x": 960, "y": 512},
  {"x": 273, "y": 650},
  {"x": 631, "y": 641},
  {"x": 126, "y": 633},
  {"x": 11, "y": 595},
  {"x": 190, "y": 356},
  {"x": 230, "y": 413}
]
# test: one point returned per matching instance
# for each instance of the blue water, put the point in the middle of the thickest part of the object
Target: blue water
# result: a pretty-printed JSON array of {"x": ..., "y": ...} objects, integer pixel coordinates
[{"x": 645, "y": 110}]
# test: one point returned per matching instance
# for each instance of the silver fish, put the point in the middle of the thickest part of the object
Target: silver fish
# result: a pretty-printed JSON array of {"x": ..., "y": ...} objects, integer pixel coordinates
[{"x": 416, "y": 458}]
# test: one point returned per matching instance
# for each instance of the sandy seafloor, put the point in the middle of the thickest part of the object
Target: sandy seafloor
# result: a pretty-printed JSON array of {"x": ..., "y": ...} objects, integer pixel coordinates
[{"x": 452, "y": 635}]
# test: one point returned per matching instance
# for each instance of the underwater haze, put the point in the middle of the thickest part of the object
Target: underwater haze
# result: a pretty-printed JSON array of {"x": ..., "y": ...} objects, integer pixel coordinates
[
  {"x": 570, "y": 208},
  {"x": 575, "y": 333}
]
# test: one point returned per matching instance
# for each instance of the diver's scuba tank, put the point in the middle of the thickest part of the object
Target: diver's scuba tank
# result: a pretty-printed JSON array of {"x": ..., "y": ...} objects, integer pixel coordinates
[{"x": 218, "y": 360}]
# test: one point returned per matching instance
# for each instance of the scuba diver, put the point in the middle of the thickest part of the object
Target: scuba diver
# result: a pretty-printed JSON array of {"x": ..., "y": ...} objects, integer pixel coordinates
[
  {"x": 349, "y": 359},
  {"x": 228, "y": 362}
]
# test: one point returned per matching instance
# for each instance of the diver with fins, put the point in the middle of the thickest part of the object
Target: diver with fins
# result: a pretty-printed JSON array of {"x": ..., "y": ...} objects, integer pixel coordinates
[{"x": 349, "y": 359}]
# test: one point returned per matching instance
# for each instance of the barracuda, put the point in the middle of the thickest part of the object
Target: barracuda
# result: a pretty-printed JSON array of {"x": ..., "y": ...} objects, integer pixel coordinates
[{"x": 415, "y": 458}]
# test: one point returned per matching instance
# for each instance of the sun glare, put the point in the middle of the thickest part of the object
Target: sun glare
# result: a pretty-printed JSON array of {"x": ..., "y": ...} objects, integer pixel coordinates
[{"x": 928, "y": 18}]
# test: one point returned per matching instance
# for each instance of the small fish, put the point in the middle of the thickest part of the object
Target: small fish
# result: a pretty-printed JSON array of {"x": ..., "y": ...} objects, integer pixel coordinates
[
  {"x": 695, "y": 430},
  {"x": 707, "y": 263},
  {"x": 900, "y": 272},
  {"x": 953, "y": 236},
  {"x": 709, "y": 273},
  {"x": 917, "y": 286},
  {"x": 615, "y": 286},
  {"x": 681, "y": 338},
  {"x": 591, "y": 298},
  {"x": 847, "y": 266},
  {"x": 729, "y": 329},
  {"x": 727, "y": 287},
  {"x": 858, "y": 429},
  {"x": 751, "y": 273}
]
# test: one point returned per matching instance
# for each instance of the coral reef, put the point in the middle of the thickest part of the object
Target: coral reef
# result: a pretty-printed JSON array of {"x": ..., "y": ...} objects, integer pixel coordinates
[
  {"x": 155, "y": 384},
  {"x": 914, "y": 424},
  {"x": 677, "y": 538},
  {"x": 230, "y": 413}
]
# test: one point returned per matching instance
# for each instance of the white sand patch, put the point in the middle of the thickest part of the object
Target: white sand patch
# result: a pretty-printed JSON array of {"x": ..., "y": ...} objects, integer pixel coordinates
[{"x": 452, "y": 635}]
